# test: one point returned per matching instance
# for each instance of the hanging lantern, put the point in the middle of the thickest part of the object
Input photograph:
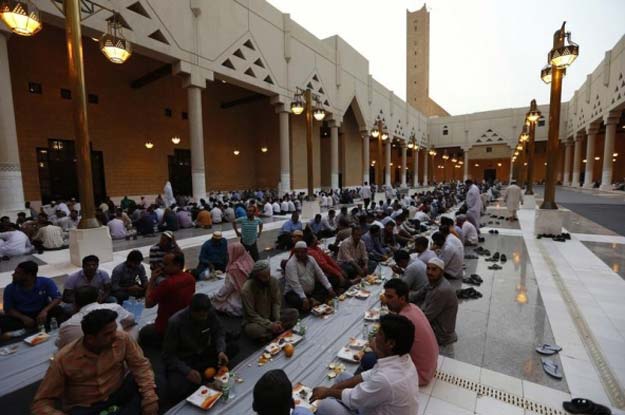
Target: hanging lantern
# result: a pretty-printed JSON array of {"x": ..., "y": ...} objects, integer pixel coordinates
[
  {"x": 21, "y": 17},
  {"x": 113, "y": 44}
]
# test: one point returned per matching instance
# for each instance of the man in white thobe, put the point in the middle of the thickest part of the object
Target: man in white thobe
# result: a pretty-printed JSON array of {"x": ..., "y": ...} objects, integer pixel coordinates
[
  {"x": 474, "y": 204},
  {"x": 513, "y": 198}
]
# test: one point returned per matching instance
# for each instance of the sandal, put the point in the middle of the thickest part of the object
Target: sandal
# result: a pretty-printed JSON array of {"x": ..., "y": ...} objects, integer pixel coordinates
[
  {"x": 503, "y": 258},
  {"x": 552, "y": 368},
  {"x": 548, "y": 349},
  {"x": 495, "y": 267},
  {"x": 585, "y": 406},
  {"x": 477, "y": 278}
]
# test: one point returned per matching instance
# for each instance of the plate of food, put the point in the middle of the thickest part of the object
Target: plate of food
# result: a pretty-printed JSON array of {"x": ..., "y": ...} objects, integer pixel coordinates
[
  {"x": 372, "y": 280},
  {"x": 302, "y": 395},
  {"x": 352, "y": 292},
  {"x": 357, "y": 344},
  {"x": 363, "y": 294},
  {"x": 372, "y": 314},
  {"x": 351, "y": 355},
  {"x": 273, "y": 348},
  {"x": 288, "y": 337},
  {"x": 322, "y": 310},
  {"x": 204, "y": 397},
  {"x": 35, "y": 339},
  {"x": 336, "y": 369}
]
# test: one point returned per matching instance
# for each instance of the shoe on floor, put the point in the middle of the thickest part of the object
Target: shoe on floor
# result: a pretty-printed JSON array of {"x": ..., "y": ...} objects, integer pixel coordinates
[
  {"x": 585, "y": 406},
  {"x": 503, "y": 258},
  {"x": 552, "y": 368},
  {"x": 548, "y": 349},
  {"x": 495, "y": 267}
]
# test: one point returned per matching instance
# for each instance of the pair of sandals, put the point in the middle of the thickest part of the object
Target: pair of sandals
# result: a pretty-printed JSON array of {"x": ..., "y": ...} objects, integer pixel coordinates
[
  {"x": 468, "y": 293},
  {"x": 481, "y": 251},
  {"x": 495, "y": 267},
  {"x": 550, "y": 367},
  {"x": 474, "y": 279},
  {"x": 493, "y": 231},
  {"x": 496, "y": 258},
  {"x": 585, "y": 406},
  {"x": 470, "y": 256}
]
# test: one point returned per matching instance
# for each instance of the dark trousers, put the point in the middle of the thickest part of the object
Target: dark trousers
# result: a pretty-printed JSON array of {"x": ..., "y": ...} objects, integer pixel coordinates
[
  {"x": 351, "y": 271},
  {"x": 252, "y": 249},
  {"x": 10, "y": 323},
  {"x": 293, "y": 300},
  {"x": 326, "y": 233},
  {"x": 178, "y": 385},
  {"x": 127, "y": 398},
  {"x": 284, "y": 241},
  {"x": 149, "y": 337},
  {"x": 367, "y": 201}
]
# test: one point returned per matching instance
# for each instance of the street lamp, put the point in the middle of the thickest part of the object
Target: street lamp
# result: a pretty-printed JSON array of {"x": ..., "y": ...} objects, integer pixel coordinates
[
  {"x": 524, "y": 134},
  {"x": 559, "y": 58},
  {"x": 532, "y": 117},
  {"x": 380, "y": 132},
  {"x": 21, "y": 17},
  {"x": 303, "y": 101}
]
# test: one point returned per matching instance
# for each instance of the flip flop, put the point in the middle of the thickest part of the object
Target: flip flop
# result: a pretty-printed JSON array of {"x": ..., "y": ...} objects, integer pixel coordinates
[
  {"x": 476, "y": 277},
  {"x": 471, "y": 281},
  {"x": 480, "y": 239},
  {"x": 548, "y": 349},
  {"x": 494, "y": 266},
  {"x": 585, "y": 406},
  {"x": 552, "y": 368}
]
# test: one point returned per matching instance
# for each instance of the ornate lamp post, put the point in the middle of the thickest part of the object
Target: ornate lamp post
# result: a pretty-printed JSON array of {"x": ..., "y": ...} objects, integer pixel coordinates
[
  {"x": 380, "y": 133},
  {"x": 560, "y": 57},
  {"x": 532, "y": 117},
  {"x": 303, "y": 102}
]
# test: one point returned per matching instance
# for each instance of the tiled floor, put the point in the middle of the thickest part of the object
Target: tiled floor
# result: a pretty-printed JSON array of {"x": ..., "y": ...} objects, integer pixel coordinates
[{"x": 612, "y": 254}]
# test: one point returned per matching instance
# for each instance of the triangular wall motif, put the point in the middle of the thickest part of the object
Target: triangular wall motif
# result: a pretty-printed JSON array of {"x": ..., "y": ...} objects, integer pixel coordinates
[
  {"x": 250, "y": 72},
  {"x": 259, "y": 62},
  {"x": 239, "y": 54},
  {"x": 268, "y": 80},
  {"x": 228, "y": 64},
  {"x": 248, "y": 44},
  {"x": 245, "y": 58},
  {"x": 158, "y": 36},
  {"x": 139, "y": 9}
]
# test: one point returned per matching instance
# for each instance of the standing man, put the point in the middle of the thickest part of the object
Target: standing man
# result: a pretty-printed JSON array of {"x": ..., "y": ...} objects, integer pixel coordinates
[
  {"x": 29, "y": 300},
  {"x": 251, "y": 229},
  {"x": 474, "y": 204},
  {"x": 365, "y": 195},
  {"x": 129, "y": 278},
  {"x": 513, "y": 198}
]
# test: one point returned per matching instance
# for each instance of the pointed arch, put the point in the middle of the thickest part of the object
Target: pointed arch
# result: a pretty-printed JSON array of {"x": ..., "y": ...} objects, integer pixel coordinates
[{"x": 359, "y": 113}]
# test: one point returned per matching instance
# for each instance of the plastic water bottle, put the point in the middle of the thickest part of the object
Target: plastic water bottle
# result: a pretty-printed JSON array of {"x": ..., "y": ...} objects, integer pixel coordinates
[
  {"x": 54, "y": 325},
  {"x": 42, "y": 328},
  {"x": 335, "y": 302},
  {"x": 365, "y": 330}
]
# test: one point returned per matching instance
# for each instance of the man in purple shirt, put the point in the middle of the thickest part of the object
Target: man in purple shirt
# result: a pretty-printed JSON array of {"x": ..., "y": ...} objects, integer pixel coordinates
[{"x": 91, "y": 276}]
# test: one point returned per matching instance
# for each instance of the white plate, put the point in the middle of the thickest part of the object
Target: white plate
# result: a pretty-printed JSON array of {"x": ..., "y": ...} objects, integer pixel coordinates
[
  {"x": 322, "y": 309},
  {"x": 199, "y": 397},
  {"x": 372, "y": 315},
  {"x": 301, "y": 397},
  {"x": 363, "y": 294},
  {"x": 36, "y": 339},
  {"x": 349, "y": 354}
]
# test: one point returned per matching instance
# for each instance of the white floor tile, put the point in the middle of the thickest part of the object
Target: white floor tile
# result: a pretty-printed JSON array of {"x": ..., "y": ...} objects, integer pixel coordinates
[
  {"x": 461, "y": 369},
  {"x": 490, "y": 406},
  {"x": 455, "y": 395},
  {"x": 423, "y": 403},
  {"x": 440, "y": 407},
  {"x": 544, "y": 395},
  {"x": 588, "y": 388},
  {"x": 502, "y": 382}
]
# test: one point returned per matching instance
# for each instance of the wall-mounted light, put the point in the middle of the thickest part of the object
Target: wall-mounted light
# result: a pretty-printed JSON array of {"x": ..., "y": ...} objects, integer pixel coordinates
[
  {"x": 264, "y": 149},
  {"x": 175, "y": 140},
  {"x": 476, "y": 165},
  {"x": 584, "y": 161},
  {"x": 498, "y": 164},
  {"x": 614, "y": 154},
  {"x": 597, "y": 158},
  {"x": 149, "y": 145},
  {"x": 236, "y": 152}
]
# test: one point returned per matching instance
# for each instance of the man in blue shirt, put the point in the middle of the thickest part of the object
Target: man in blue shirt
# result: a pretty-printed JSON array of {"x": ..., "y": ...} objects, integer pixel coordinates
[
  {"x": 273, "y": 395},
  {"x": 30, "y": 300},
  {"x": 291, "y": 225},
  {"x": 213, "y": 255}
]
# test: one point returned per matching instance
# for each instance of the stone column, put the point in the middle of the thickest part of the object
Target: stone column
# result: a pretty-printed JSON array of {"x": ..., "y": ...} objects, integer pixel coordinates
[
  {"x": 415, "y": 167},
  {"x": 425, "y": 167},
  {"x": 608, "y": 149},
  {"x": 590, "y": 156},
  {"x": 566, "y": 181},
  {"x": 387, "y": 179},
  {"x": 196, "y": 131},
  {"x": 577, "y": 159},
  {"x": 365, "y": 157},
  {"x": 511, "y": 169},
  {"x": 466, "y": 165},
  {"x": 334, "y": 156},
  {"x": 285, "y": 153},
  {"x": 11, "y": 188},
  {"x": 404, "y": 155}
]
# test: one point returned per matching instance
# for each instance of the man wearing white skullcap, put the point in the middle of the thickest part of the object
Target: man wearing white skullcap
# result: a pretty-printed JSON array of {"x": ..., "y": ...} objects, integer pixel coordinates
[
  {"x": 306, "y": 284},
  {"x": 439, "y": 303}
]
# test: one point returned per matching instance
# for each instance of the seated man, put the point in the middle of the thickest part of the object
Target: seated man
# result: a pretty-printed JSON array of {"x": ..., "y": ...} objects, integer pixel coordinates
[
  {"x": 469, "y": 232},
  {"x": 291, "y": 225},
  {"x": 184, "y": 218},
  {"x": 391, "y": 387},
  {"x": 86, "y": 301},
  {"x": 48, "y": 237},
  {"x": 268, "y": 209},
  {"x": 69, "y": 222},
  {"x": 172, "y": 294},
  {"x": 337, "y": 277},
  {"x": 30, "y": 300},
  {"x": 14, "y": 242},
  {"x": 451, "y": 252},
  {"x": 116, "y": 226},
  {"x": 129, "y": 278},
  {"x": 373, "y": 243},
  {"x": 205, "y": 219},
  {"x": 262, "y": 299},
  {"x": 169, "y": 221},
  {"x": 195, "y": 340},
  {"x": 213, "y": 256},
  {"x": 165, "y": 245},
  {"x": 147, "y": 222},
  {"x": 321, "y": 227},
  {"x": 306, "y": 284},
  {"x": 89, "y": 375},
  {"x": 424, "y": 351},
  {"x": 273, "y": 395},
  {"x": 89, "y": 275},
  {"x": 353, "y": 257},
  {"x": 439, "y": 303},
  {"x": 411, "y": 271},
  {"x": 421, "y": 245}
]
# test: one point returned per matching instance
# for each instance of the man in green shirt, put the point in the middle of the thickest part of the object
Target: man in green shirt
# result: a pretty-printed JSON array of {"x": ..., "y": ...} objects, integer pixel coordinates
[
  {"x": 251, "y": 229},
  {"x": 262, "y": 300}
]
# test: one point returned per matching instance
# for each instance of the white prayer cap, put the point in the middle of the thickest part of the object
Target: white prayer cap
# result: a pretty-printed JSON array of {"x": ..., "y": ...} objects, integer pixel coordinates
[
  {"x": 437, "y": 262},
  {"x": 301, "y": 245}
]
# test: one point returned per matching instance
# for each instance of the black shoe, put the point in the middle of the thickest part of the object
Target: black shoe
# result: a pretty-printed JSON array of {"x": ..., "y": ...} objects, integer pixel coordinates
[
  {"x": 495, "y": 267},
  {"x": 503, "y": 258},
  {"x": 480, "y": 239}
]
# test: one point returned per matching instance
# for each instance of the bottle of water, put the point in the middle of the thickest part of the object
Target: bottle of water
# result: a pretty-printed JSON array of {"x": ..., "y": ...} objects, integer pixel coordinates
[
  {"x": 365, "y": 330},
  {"x": 335, "y": 302},
  {"x": 54, "y": 325},
  {"x": 42, "y": 328}
]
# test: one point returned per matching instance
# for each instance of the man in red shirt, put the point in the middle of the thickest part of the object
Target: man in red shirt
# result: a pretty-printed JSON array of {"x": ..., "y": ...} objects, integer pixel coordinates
[
  {"x": 337, "y": 277},
  {"x": 424, "y": 351},
  {"x": 172, "y": 294}
]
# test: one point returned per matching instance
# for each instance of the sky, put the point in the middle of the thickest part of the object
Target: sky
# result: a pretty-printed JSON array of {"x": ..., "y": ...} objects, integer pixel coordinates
[{"x": 484, "y": 54}]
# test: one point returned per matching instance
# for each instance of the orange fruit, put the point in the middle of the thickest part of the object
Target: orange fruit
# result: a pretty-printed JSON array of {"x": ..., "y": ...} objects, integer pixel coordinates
[
  {"x": 222, "y": 370},
  {"x": 289, "y": 350},
  {"x": 210, "y": 373}
]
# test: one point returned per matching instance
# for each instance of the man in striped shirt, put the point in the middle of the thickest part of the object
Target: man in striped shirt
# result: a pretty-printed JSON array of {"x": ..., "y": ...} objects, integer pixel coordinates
[
  {"x": 166, "y": 245},
  {"x": 251, "y": 229}
]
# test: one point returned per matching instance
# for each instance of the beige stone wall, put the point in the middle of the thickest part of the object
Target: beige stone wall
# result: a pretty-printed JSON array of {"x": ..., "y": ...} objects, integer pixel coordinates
[
  {"x": 350, "y": 160},
  {"x": 299, "y": 171},
  {"x": 498, "y": 151}
]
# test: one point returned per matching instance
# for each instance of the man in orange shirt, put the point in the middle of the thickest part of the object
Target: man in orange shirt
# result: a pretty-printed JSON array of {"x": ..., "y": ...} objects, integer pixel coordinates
[{"x": 89, "y": 374}]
